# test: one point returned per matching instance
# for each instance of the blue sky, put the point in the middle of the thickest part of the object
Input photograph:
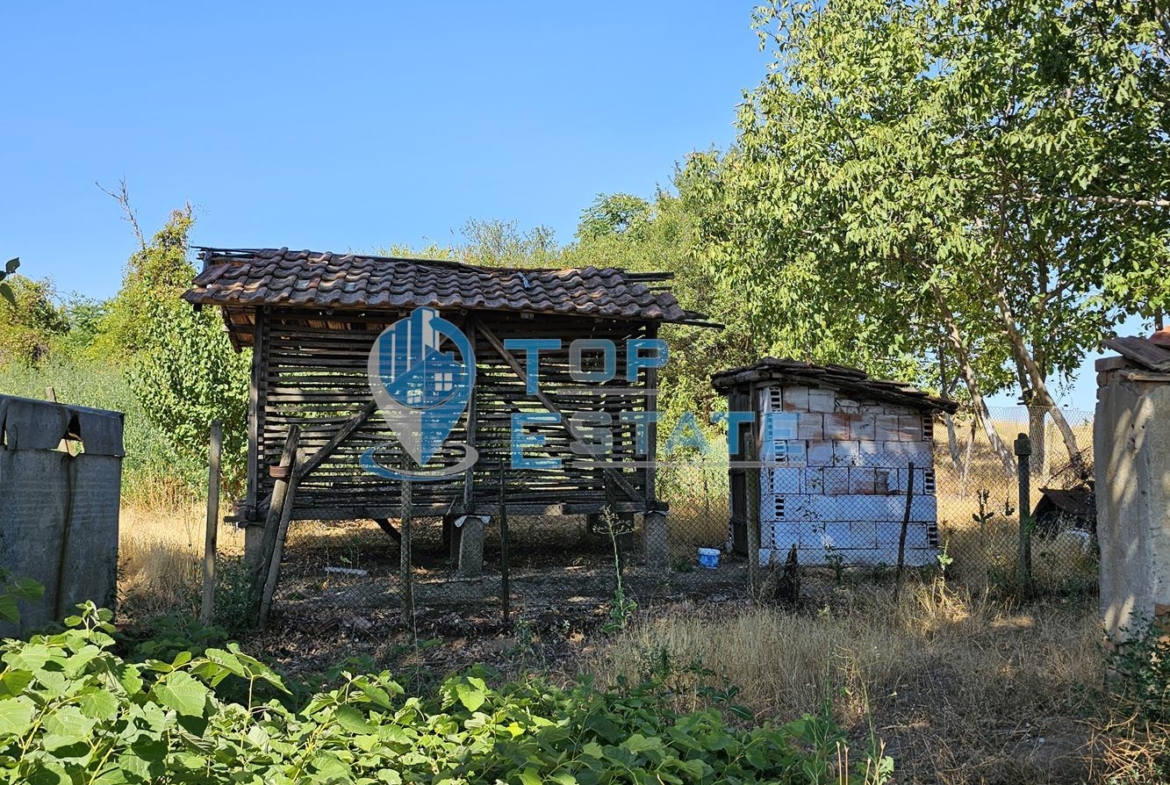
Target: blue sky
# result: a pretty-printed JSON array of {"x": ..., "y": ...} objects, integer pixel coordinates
[
  {"x": 383, "y": 123},
  {"x": 288, "y": 126}
]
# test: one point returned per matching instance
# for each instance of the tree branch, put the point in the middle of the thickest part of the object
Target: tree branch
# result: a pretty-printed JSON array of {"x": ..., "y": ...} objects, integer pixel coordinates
[{"x": 122, "y": 197}]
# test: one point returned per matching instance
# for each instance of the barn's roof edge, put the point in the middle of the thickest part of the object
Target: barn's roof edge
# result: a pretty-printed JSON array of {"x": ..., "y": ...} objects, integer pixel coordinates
[{"x": 259, "y": 277}]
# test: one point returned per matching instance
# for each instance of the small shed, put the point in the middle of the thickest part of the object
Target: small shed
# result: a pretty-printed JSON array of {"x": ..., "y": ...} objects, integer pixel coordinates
[
  {"x": 832, "y": 449},
  {"x": 312, "y": 318},
  {"x": 1131, "y": 447}
]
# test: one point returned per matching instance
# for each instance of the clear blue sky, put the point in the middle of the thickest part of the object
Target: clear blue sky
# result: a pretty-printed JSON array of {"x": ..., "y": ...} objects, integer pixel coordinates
[
  {"x": 289, "y": 125},
  {"x": 353, "y": 128}
]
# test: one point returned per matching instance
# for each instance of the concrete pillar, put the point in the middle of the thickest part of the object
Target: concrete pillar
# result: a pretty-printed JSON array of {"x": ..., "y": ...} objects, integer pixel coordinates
[
  {"x": 253, "y": 538},
  {"x": 470, "y": 544},
  {"x": 654, "y": 539},
  {"x": 1131, "y": 441}
]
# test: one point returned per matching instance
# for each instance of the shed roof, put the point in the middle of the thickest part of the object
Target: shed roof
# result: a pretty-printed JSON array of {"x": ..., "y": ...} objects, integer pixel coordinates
[
  {"x": 249, "y": 278},
  {"x": 1152, "y": 353},
  {"x": 848, "y": 380}
]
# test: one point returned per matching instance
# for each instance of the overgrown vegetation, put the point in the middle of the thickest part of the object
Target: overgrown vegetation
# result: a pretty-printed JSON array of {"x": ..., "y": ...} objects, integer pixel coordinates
[{"x": 72, "y": 710}]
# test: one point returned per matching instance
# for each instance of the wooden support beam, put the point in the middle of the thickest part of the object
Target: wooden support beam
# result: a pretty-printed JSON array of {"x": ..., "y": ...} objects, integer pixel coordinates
[
  {"x": 385, "y": 525},
  {"x": 276, "y": 511},
  {"x": 278, "y": 549},
  {"x": 472, "y": 420},
  {"x": 255, "y": 412},
  {"x": 343, "y": 433},
  {"x": 547, "y": 403}
]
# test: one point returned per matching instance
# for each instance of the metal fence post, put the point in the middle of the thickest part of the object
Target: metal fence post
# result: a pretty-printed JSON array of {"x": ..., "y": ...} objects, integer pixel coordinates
[
  {"x": 902, "y": 534},
  {"x": 1023, "y": 452}
]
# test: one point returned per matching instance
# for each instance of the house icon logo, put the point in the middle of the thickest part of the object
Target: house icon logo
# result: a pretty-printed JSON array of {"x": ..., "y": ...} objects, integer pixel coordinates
[{"x": 422, "y": 372}]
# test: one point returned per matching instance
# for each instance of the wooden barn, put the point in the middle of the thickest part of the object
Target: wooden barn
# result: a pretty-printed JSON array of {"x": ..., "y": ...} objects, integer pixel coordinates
[
  {"x": 834, "y": 449},
  {"x": 311, "y": 320}
]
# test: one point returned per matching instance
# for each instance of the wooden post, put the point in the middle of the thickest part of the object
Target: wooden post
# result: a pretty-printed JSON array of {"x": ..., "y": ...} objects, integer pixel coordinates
[
  {"x": 207, "y": 610},
  {"x": 255, "y": 410},
  {"x": 902, "y": 534},
  {"x": 272, "y": 523},
  {"x": 50, "y": 394},
  {"x": 286, "y": 509},
  {"x": 505, "y": 582},
  {"x": 1023, "y": 458},
  {"x": 404, "y": 572},
  {"x": 752, "y": 511}
]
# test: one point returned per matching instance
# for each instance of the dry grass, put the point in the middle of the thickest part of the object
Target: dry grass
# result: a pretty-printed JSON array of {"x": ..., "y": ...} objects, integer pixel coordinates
[
  {"x": 160, "y": 554},
  {"x": 958, "y": 689}
]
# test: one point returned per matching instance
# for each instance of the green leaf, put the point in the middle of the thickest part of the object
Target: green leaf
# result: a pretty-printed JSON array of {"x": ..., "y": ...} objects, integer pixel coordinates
[
  {"x": 16, "y": 716},
  {"x": 6, "y": 293},
  {"x": 8, "y": 609},
  {"x": 184, "y": 693},
  {"x": 530, "y": 776},
  {"x": 65, "y": 727},
  {"x": 12, "y": 265},
  {"x": 470, "y": 695},
  {"x": 99, "y": 705},
  {"x": 353, "y": 720}
]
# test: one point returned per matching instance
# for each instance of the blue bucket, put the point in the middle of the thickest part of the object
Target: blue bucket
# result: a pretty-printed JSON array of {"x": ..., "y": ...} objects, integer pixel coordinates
[{"x": 709, "y": 558}]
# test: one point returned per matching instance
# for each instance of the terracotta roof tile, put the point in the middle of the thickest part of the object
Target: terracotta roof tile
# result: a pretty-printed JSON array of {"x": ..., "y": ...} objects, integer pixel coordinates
[{"x": 252, "y": 277}]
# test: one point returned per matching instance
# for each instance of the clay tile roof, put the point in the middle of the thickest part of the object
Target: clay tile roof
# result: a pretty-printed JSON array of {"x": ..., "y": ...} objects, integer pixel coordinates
[
  {"x": 232, "y": 278},
  {"x": 848, "y": 380}
]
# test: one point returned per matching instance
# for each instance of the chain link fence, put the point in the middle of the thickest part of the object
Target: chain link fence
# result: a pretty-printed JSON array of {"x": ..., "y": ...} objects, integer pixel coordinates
[{"x": 961, "y": 517}]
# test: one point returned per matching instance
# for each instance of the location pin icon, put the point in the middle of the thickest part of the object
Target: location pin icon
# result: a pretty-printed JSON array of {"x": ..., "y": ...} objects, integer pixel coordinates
[{"x": 420, "y": 390}]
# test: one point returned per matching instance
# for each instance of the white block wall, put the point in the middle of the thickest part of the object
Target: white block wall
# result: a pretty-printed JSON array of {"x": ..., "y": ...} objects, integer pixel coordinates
[{"x": 835, "y": 479}]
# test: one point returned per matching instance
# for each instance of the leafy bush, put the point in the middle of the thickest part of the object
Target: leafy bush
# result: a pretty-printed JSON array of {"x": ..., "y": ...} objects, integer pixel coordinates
[
  {"x": 72, "y": 711},
  {"x": 1142, "y": 666}
]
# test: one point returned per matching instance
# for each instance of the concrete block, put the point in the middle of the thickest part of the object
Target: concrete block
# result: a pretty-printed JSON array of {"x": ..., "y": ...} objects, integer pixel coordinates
[
  {"x": 811, "y": 427},
  {"x": 784, "y": 536},
  {"x": 471, "y": 529},
  {"x": 862, "y": 480},
  {"x": 924, "y": 508},
  {"x": 825, "y": 508},
  {"x": 795, "y": 399},
  {"x": 851, "y": 535},
  {"x": 823, "y": 401},
  {"x": 836, "y": 426},
  {"x": 848, "y": 405},
  {"x": 820, "y": 453},
  {"x": 909, "y": 427},
  {"x": 786, "y": 480},
  {"x": 846, "y": 453},
  {"x": 863, "y": 427},
  {"x": 886, "y": 428},
  {"x": 836, "y": 481},
  {"x": 813, "y": 480},
  {"x": 654, "y": 540}
]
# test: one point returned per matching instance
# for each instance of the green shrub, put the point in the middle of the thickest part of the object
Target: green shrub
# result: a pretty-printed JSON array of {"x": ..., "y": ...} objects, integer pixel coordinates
[{"x": 73, "y": 711}]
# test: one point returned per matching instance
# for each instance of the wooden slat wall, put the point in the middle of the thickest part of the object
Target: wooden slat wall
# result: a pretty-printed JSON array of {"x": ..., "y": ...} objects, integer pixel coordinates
[{"x": 314, "y": 373}]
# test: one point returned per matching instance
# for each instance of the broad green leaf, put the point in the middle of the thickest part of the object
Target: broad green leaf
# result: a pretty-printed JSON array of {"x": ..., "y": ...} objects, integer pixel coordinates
[
  {"x": 471, "y": 696},
  {"x": 184, "y": 693},
  {"x": 99, "y": 705},
  {"x": 12, "y": 265},
  {"x": 16, "y": 715}
]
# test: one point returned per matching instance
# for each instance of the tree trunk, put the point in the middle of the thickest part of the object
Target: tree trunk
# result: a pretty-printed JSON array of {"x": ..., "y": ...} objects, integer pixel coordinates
[
  {"x": 948, "y": 418},
  {"x": 1037, "y": 433},
  {"x": 978, "y": 403},
  {"x": 1040, "y": 394}
]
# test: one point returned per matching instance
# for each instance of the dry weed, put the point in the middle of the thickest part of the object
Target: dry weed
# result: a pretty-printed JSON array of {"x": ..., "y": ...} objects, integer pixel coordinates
[{"x": 960, "y": 689}]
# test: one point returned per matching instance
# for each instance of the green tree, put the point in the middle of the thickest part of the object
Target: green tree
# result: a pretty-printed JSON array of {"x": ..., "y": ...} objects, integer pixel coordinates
[
  {"x": 628, "y": 232},
  {"x": 182, "y": 368},
  {"x": 917, "y": 184},
  {"x": 30, "y": 320}
]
